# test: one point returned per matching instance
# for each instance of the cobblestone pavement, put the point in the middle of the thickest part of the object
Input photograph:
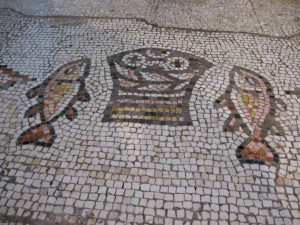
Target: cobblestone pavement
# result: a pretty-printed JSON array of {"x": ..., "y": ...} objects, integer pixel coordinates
[{"x": 109, "y": 120}]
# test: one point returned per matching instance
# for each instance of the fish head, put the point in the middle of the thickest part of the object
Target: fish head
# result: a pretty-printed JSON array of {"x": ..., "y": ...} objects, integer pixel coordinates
[
  {"x": 249, "y": 81},
  {"x": 74, "y": 71}
]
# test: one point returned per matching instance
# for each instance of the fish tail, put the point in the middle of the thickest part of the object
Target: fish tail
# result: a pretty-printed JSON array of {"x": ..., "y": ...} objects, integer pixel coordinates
[
  {"x": 41, "y": 134},
  {"x": 257, "y": 151}
]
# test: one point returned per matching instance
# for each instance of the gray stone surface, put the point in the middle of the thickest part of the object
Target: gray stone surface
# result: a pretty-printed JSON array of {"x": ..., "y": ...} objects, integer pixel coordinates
[{"x": 269, "y": 17}]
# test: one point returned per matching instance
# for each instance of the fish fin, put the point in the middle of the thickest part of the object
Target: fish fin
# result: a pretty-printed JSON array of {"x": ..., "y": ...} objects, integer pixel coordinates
[
  {"x": 230, "y": 124},
  {"x": 33, "y": 110},
  {"x": 83, "y": 95},
  {"x": 257, "y": 151},
  {"x": 234, "y": 123},
  {"x": 71, "y": 113},
  {"x": 41, "y": 134},
  {"x": 274, "y": 127},
  {"x": 33, "y": 92}
]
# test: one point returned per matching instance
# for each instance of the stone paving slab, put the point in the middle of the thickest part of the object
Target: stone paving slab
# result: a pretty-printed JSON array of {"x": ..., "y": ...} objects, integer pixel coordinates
[
  {"x": 270, "y": 17},
  {"x": 117, "y": 121},
  {"x": 209, "y": 15},
  {"x": 271, "y": 13}
]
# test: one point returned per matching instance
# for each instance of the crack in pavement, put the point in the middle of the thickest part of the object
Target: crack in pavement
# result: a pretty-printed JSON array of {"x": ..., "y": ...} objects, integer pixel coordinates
[
  {"x": 256, "y": 16},
  {"x": 155, "y": 7}
]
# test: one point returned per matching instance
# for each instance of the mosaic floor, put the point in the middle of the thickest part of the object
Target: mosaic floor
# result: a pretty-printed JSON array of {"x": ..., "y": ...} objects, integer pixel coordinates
[{"x": 116, "y": 121}]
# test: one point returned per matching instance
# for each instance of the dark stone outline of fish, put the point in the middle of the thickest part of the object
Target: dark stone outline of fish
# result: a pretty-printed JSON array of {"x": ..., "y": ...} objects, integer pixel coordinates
[
  {"x": 267, "y": 125},
  {"x": 13, "y": 74},
  {"x": 39, "y": 91}
]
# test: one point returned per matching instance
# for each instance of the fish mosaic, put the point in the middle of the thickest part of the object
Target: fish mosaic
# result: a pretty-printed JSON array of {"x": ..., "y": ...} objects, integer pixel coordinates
[
  {"x": 8, "y": 78},
  {"x": 253, "y": 107},
  {"x": 56, "y": 97},
  {"x": 153, "y": 86}
]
